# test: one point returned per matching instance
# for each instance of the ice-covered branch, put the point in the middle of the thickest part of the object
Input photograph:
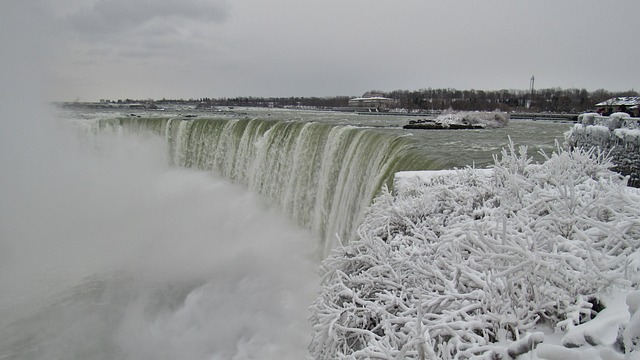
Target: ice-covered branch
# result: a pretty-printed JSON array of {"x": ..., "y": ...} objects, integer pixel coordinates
[{"x": 464, "y": 261}]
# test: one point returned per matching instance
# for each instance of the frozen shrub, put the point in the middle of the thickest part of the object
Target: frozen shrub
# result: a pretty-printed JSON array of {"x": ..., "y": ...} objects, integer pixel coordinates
[
  {"x": 587, "y": 118},
  {"x": 466, "y": 265}
]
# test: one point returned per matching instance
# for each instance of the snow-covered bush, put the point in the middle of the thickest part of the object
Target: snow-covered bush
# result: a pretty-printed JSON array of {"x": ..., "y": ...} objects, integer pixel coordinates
[
  {"x": 466, "y": 265},
  {"x": 618, "y": 134},
  {"x": 616, "y": 120}
]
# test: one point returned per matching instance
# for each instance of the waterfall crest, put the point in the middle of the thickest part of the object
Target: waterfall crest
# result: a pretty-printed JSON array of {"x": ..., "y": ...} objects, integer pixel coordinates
[{"x": 321, "y": 175}]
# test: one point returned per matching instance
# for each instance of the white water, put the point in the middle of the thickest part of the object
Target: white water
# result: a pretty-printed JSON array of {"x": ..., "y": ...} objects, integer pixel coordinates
[
  {"x": 322, "y": 176},
  {"x": 107, "y": 253}
]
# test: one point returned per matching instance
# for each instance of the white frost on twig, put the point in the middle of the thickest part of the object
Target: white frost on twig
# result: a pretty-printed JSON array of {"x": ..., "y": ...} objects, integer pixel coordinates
[{"x": 465, "y": 265}]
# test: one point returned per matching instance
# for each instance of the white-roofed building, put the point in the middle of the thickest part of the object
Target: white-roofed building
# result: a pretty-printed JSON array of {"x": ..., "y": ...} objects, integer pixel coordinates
[
  {"x": 375, "y": 102},
  {"x": 627, "y": 101},
  {"x": 626, "y": 104}
]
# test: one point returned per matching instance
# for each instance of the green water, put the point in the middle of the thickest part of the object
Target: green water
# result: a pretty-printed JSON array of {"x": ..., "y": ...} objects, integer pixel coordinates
[{"x": 318, "y": 167}]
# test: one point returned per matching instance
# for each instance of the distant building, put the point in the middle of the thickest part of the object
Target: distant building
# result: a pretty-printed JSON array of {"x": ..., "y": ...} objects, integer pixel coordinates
[
  {"x": 621, "y": 101},
  {"x": 628, "y": 104},
  {"x": 376, "y": 102}
]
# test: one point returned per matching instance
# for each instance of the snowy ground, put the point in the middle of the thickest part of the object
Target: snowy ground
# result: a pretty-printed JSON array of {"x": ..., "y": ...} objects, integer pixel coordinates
[{"x": 529, "y": 261}]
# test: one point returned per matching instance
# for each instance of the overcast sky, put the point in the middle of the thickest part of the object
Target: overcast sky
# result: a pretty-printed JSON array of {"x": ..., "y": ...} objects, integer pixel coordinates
[{"x": 223, "y": 48}]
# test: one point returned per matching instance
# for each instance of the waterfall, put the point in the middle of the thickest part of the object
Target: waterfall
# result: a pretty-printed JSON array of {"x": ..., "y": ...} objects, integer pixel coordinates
[{"x": 321, "y": 175}]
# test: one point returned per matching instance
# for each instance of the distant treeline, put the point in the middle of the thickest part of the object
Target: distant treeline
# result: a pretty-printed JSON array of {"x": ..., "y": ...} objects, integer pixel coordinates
[
  {"x": 542, "y": 100},
  {"x": 315, "y": 102}
]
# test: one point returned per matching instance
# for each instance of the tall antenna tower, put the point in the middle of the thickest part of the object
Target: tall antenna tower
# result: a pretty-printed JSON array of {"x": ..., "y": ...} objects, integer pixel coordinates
[{"x": 533, "y": 79}]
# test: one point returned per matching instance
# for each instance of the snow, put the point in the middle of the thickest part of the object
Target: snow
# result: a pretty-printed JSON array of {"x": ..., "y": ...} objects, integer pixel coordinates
[
  {"x": 603, "y": 329},
  {"x": 489, "y": 119},
  {"x": 524, "y": 260},
  {"x": 628, "y": 135},
  {"x": 616, "y": 120},
  {"x": 372, "y": 98},
  {"x": 618, "y": 101},
  {"x": 406, "y": 180},
  {"x": 618, "y": 134}
]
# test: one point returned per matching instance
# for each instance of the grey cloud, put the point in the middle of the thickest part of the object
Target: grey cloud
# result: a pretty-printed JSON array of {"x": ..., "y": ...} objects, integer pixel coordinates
[
  {"x": 317, "y": 48},
  {"x": 108, "y": 17}
]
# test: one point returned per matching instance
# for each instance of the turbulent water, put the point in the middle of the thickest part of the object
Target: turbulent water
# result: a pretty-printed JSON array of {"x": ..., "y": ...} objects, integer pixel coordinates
[{"x": 116, "y": 245}]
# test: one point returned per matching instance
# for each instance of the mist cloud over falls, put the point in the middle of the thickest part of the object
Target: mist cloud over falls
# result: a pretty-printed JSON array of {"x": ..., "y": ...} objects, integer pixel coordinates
[{"x": 108, "y": 251}]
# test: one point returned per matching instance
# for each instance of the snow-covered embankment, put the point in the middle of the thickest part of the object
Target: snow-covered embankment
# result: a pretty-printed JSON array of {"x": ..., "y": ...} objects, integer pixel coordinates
[{"x": 477, "y": 264}]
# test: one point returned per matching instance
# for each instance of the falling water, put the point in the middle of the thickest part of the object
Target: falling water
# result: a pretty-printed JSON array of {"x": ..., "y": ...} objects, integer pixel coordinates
[{"x": 321, "y": 175}]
